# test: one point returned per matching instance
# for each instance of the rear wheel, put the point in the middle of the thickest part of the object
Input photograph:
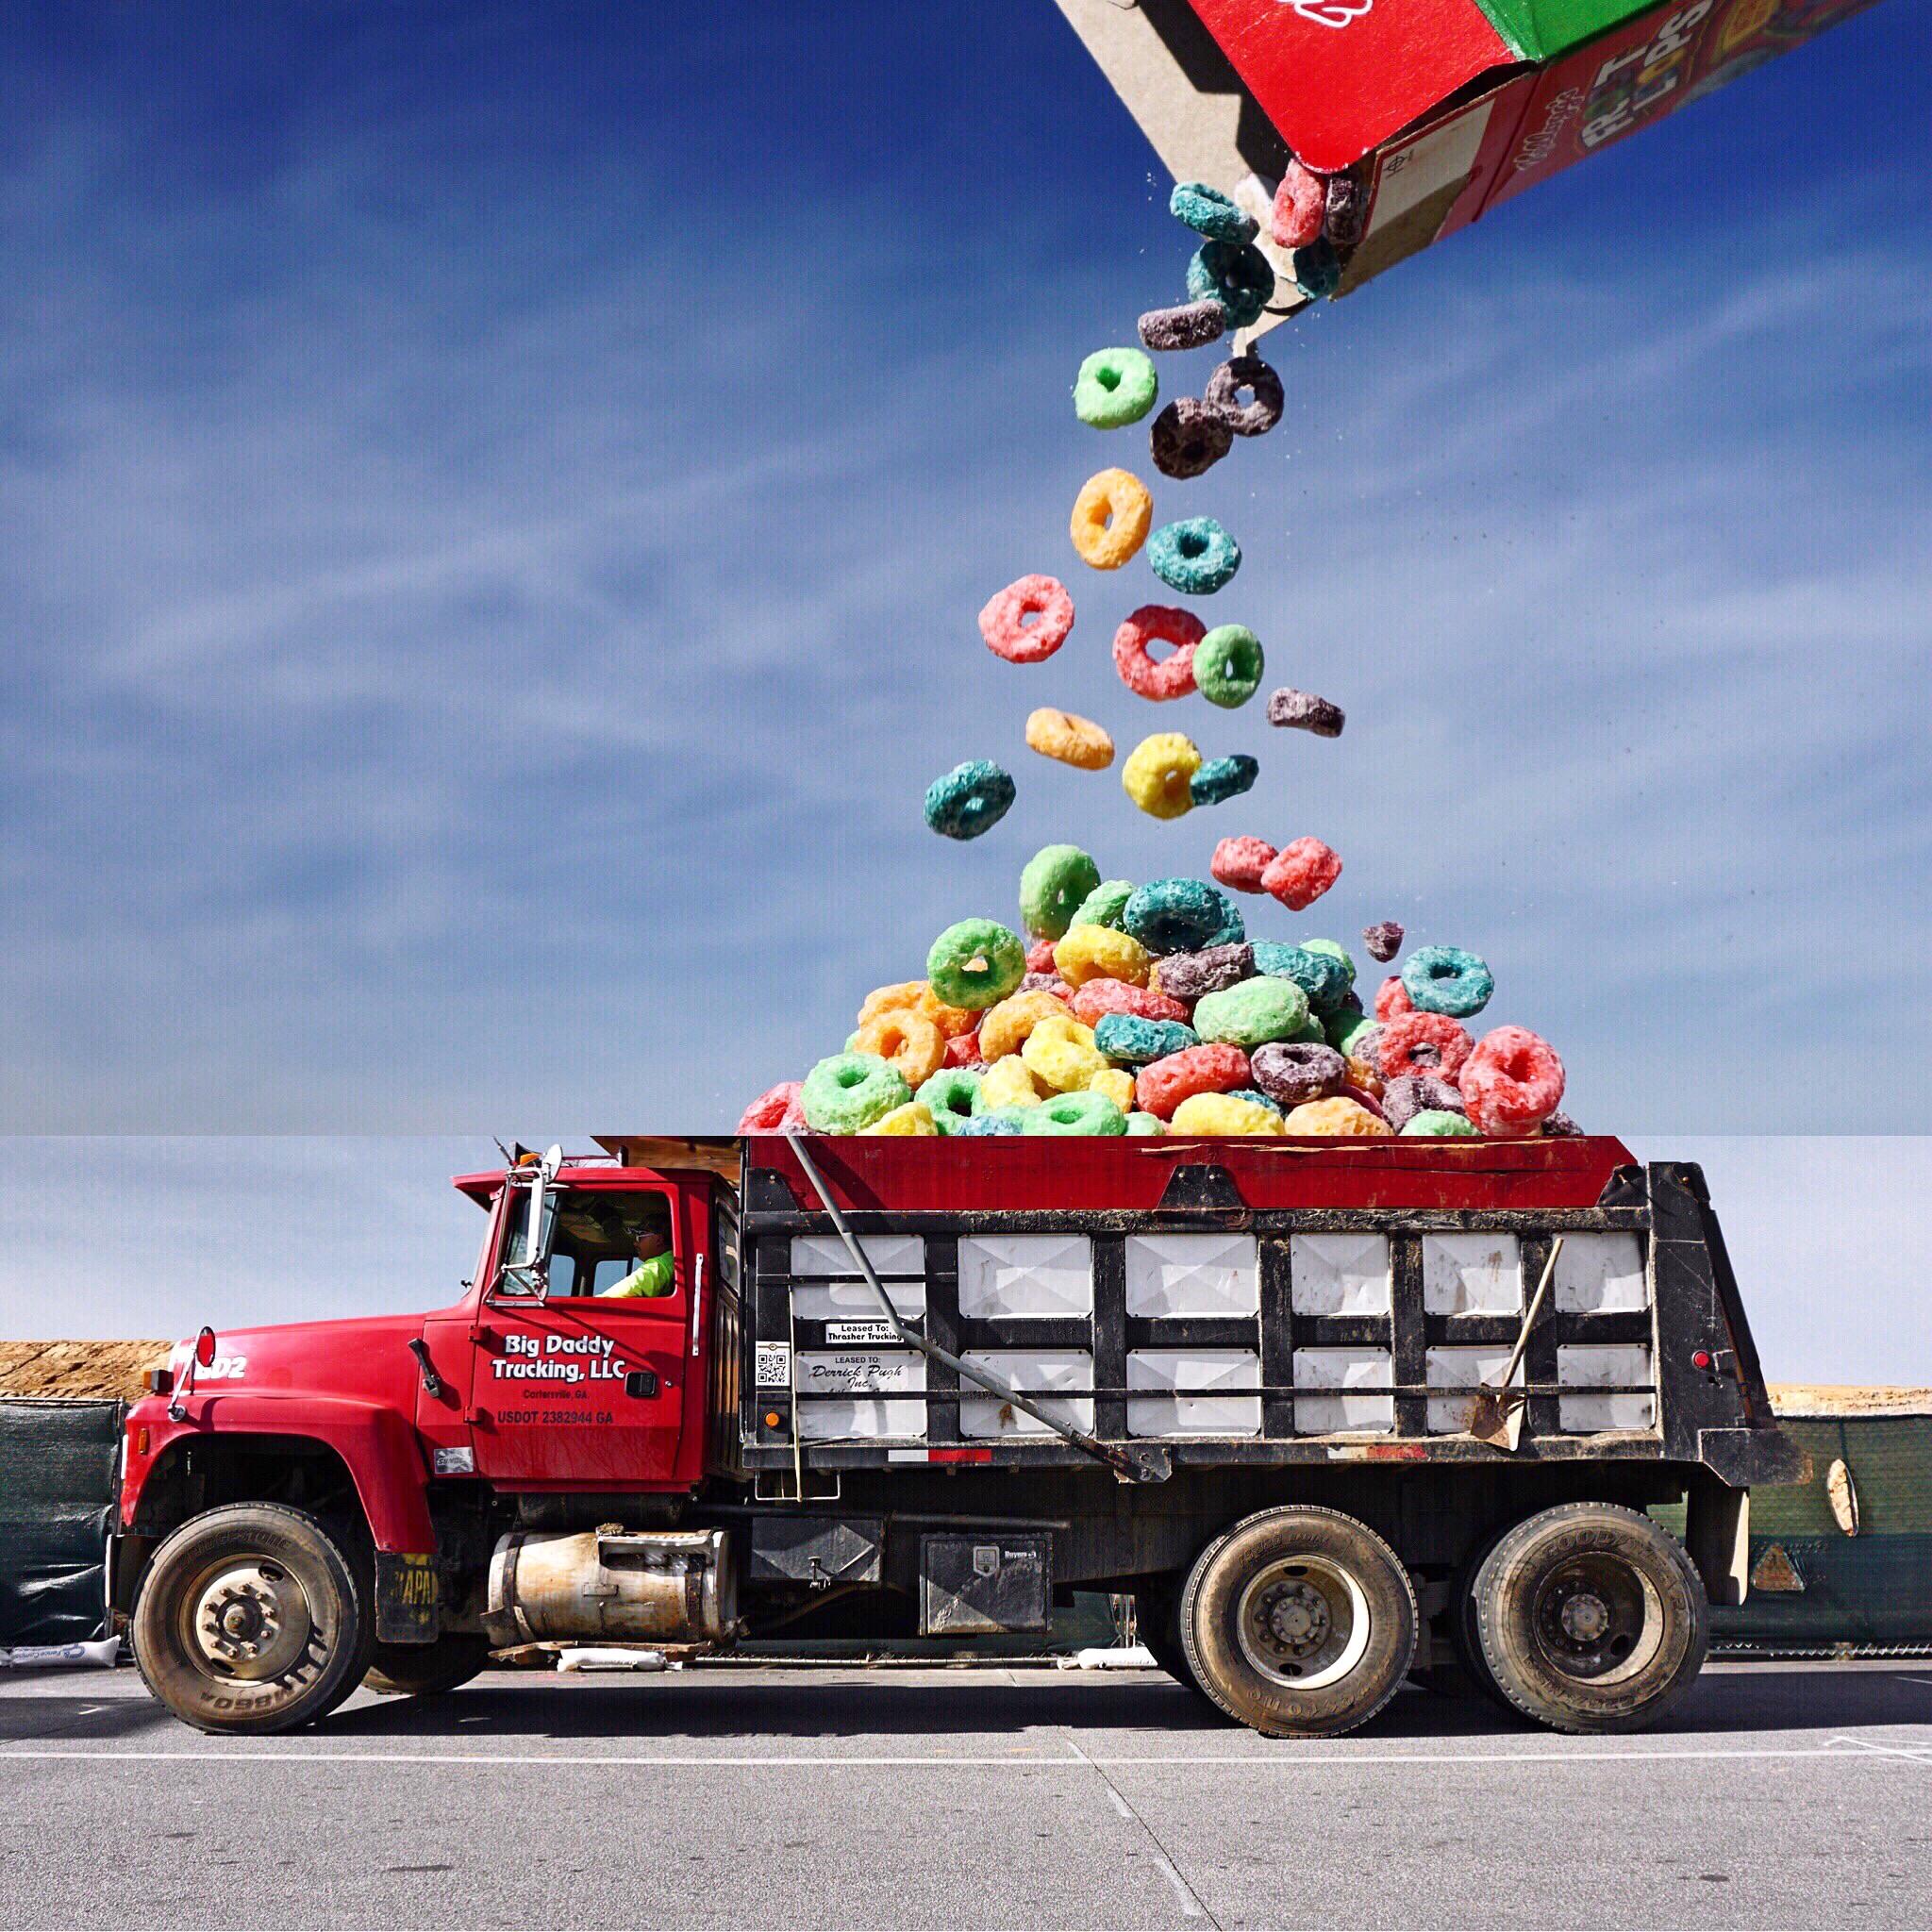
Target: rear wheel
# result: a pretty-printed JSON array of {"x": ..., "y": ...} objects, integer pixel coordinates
[
  {"x": 1467, "y": 1645},
  {"x": 427, "y": 1670},
  {"x": 253, "y": 1618},
  {"x": 1300, "y": 1621},
  {"x": 1590, "y": 1618}
]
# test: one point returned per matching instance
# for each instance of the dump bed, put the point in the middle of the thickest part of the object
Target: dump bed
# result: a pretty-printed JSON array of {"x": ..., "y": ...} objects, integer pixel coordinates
[{"x": 1261, "y": 1301}]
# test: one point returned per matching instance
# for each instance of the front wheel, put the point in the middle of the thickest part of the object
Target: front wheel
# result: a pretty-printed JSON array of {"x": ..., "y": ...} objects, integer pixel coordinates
[
  {"x": 1301, "y": 1623},
  {"x": 427, "y": 1670},
  {"x": 1590, "y": 1618},
  {"x": 253, "y": 1618}
]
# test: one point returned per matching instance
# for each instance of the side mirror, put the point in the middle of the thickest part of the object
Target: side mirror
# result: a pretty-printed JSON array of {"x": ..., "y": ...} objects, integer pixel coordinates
[
  {"x": 203, "y": 1357},
  {"x": 528, "y": 1274},
  {"x": 533, "y": 1229}
]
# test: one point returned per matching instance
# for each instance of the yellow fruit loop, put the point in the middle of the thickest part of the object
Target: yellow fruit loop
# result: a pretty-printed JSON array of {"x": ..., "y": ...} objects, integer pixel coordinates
[
  {"x": 1222, "y": 1113},
  {"x": 1006, "y": 1026},
  {"x": 915, "y": 1117},
  {"x": 1110, "y": 519},
  {"x": 1098, "y": 952},
  {"x": 1060, "y": 1055},
  {"x": 1158, "y": 773},
  {"x": 1118, "y": 1085},
  {"x": 912, "y": 1045},
  {"x": 1346, "y": 1118},
  {"x": 1069, "y": 737},
  {"x": 891, "y": 999},
  {"x": 1009, "y": 1083}
]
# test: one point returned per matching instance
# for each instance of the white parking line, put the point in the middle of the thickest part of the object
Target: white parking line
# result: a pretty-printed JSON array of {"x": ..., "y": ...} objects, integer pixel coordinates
[
  {"x": 1289, "y": 1759},
  {"x": 1883, "y": 1750}
]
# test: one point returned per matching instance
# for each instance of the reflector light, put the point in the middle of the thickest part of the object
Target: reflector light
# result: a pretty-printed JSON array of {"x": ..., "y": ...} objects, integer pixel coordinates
[
  {"x": 1700, "y": 1360},
  {"x": 141, "y": 1440},
  {"x": 771, "y": 1418}
]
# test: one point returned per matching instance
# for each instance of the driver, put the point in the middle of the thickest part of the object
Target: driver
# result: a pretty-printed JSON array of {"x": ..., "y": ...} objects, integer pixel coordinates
[{"x": 650, "y": 1277}]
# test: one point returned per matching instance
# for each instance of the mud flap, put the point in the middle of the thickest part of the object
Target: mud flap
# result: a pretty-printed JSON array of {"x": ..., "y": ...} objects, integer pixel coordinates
[
  {"x": 1717, "y": 1534},
  {"x": 406, "y": 1607}
]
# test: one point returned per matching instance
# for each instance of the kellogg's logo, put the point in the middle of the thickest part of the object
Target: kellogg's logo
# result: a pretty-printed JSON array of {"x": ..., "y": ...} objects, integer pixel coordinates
[{"x": 1337, "y": 13}]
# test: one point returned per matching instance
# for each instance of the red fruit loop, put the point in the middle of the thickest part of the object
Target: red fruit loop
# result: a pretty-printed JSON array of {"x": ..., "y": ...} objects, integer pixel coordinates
[
  {"x": 1239, "y": 862},
  {"x": 1173, "y": 677},
  {"x": 1392, "y": 1000},
  {"x": 1215, "y": 1069},
  {"x": 774, "y": 1110},
  {"x": 1099, "y": 997},
  {"x": 962, "y": 1050},
  {"x": 1040, "y": 956},
  {"x": 1003, "y": 623},
  {"x": 1301, "y": 206},
  {"x": 1301, "y": 872},
  {"x": 1423, "y": 1043},
  {"x": 1511, "y": 1083}
]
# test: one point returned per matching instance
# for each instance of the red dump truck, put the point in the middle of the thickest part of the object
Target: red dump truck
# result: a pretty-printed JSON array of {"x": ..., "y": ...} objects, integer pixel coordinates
[{"x": 1333, "y": 1411}]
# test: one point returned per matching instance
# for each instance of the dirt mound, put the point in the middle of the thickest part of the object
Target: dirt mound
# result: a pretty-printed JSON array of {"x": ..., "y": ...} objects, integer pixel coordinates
[
  {"x": 76, "y": 1369},
  {"x": 1825, "y": 1398}
]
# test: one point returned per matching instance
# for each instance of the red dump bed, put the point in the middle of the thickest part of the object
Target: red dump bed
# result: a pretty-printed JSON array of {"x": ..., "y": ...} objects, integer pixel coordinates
[{"x": 1022, "y": 1174}]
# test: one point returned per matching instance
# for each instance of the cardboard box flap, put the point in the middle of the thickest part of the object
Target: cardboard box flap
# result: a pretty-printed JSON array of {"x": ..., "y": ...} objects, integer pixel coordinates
[
  {"x": 1541, "y": 29},
  {"x": 1337, "y": 78}
]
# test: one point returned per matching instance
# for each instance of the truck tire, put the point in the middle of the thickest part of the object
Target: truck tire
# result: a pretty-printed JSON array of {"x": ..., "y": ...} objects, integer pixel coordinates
[
  {"x": 253, "y": 1618},
  {"x": 1465, "y": 1639},
  {"x": 1590, "y": 1618},
  {"x": 427, "y": 1670},
  {"x": 1157, "y": 1615},
  {"x": 1300, "y": 1623}
]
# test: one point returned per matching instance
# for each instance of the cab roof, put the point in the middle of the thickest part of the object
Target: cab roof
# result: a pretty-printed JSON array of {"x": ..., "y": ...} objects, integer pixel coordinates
[{"x": 658, "y": 1153}]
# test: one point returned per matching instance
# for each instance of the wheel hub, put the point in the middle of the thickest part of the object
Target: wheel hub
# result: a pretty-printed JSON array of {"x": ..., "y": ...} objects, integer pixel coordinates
[
  {"x": 1592, "y": 1616},
  {"x": 1303, "y": 1622},
  {"x": 1585, "y": 1617},
  {"x": 250, "y": 1619},
  {"x": 1298, "y": 1618}
]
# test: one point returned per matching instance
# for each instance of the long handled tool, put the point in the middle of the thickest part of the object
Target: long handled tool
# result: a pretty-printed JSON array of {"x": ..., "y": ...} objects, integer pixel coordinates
[
  {"x": 1132, "y": 1463},
  {"x": 1495, "y": 1416}
]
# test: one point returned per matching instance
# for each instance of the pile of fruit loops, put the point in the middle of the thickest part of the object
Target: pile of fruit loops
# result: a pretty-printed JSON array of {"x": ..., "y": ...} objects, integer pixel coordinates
[{"x": 1149, "y": 1010}]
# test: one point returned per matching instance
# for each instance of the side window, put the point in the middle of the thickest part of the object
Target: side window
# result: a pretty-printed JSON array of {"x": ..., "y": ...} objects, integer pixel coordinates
[
  {"x": 614, "y": 1244},
  {"x": 608, "y": 1274}
]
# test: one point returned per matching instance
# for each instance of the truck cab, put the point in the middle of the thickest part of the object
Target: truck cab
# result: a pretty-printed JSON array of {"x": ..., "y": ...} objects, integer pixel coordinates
[{"x": 388, "y": 1451}]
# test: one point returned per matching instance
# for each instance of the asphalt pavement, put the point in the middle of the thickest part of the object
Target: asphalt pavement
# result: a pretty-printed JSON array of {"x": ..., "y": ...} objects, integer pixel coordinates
[{"x": 1781, "y": 1795}]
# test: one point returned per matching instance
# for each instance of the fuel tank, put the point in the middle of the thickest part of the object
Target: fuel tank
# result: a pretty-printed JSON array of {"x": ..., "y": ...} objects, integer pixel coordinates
[{"x": 619, "y": 1585}]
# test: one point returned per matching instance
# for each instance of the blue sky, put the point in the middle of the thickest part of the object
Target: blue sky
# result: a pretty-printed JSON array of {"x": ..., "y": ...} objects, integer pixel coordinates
[{"x": 493, "y": 503}]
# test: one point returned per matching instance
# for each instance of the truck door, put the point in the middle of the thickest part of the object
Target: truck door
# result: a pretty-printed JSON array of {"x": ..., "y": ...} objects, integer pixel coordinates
[{"x": 579, "y": 1368}]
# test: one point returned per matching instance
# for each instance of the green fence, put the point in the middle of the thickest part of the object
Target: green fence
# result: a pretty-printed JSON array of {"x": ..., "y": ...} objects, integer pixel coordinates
[
  {"x": 57, "y": 1504},
  {"x": 1844, "y": 1561}
]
